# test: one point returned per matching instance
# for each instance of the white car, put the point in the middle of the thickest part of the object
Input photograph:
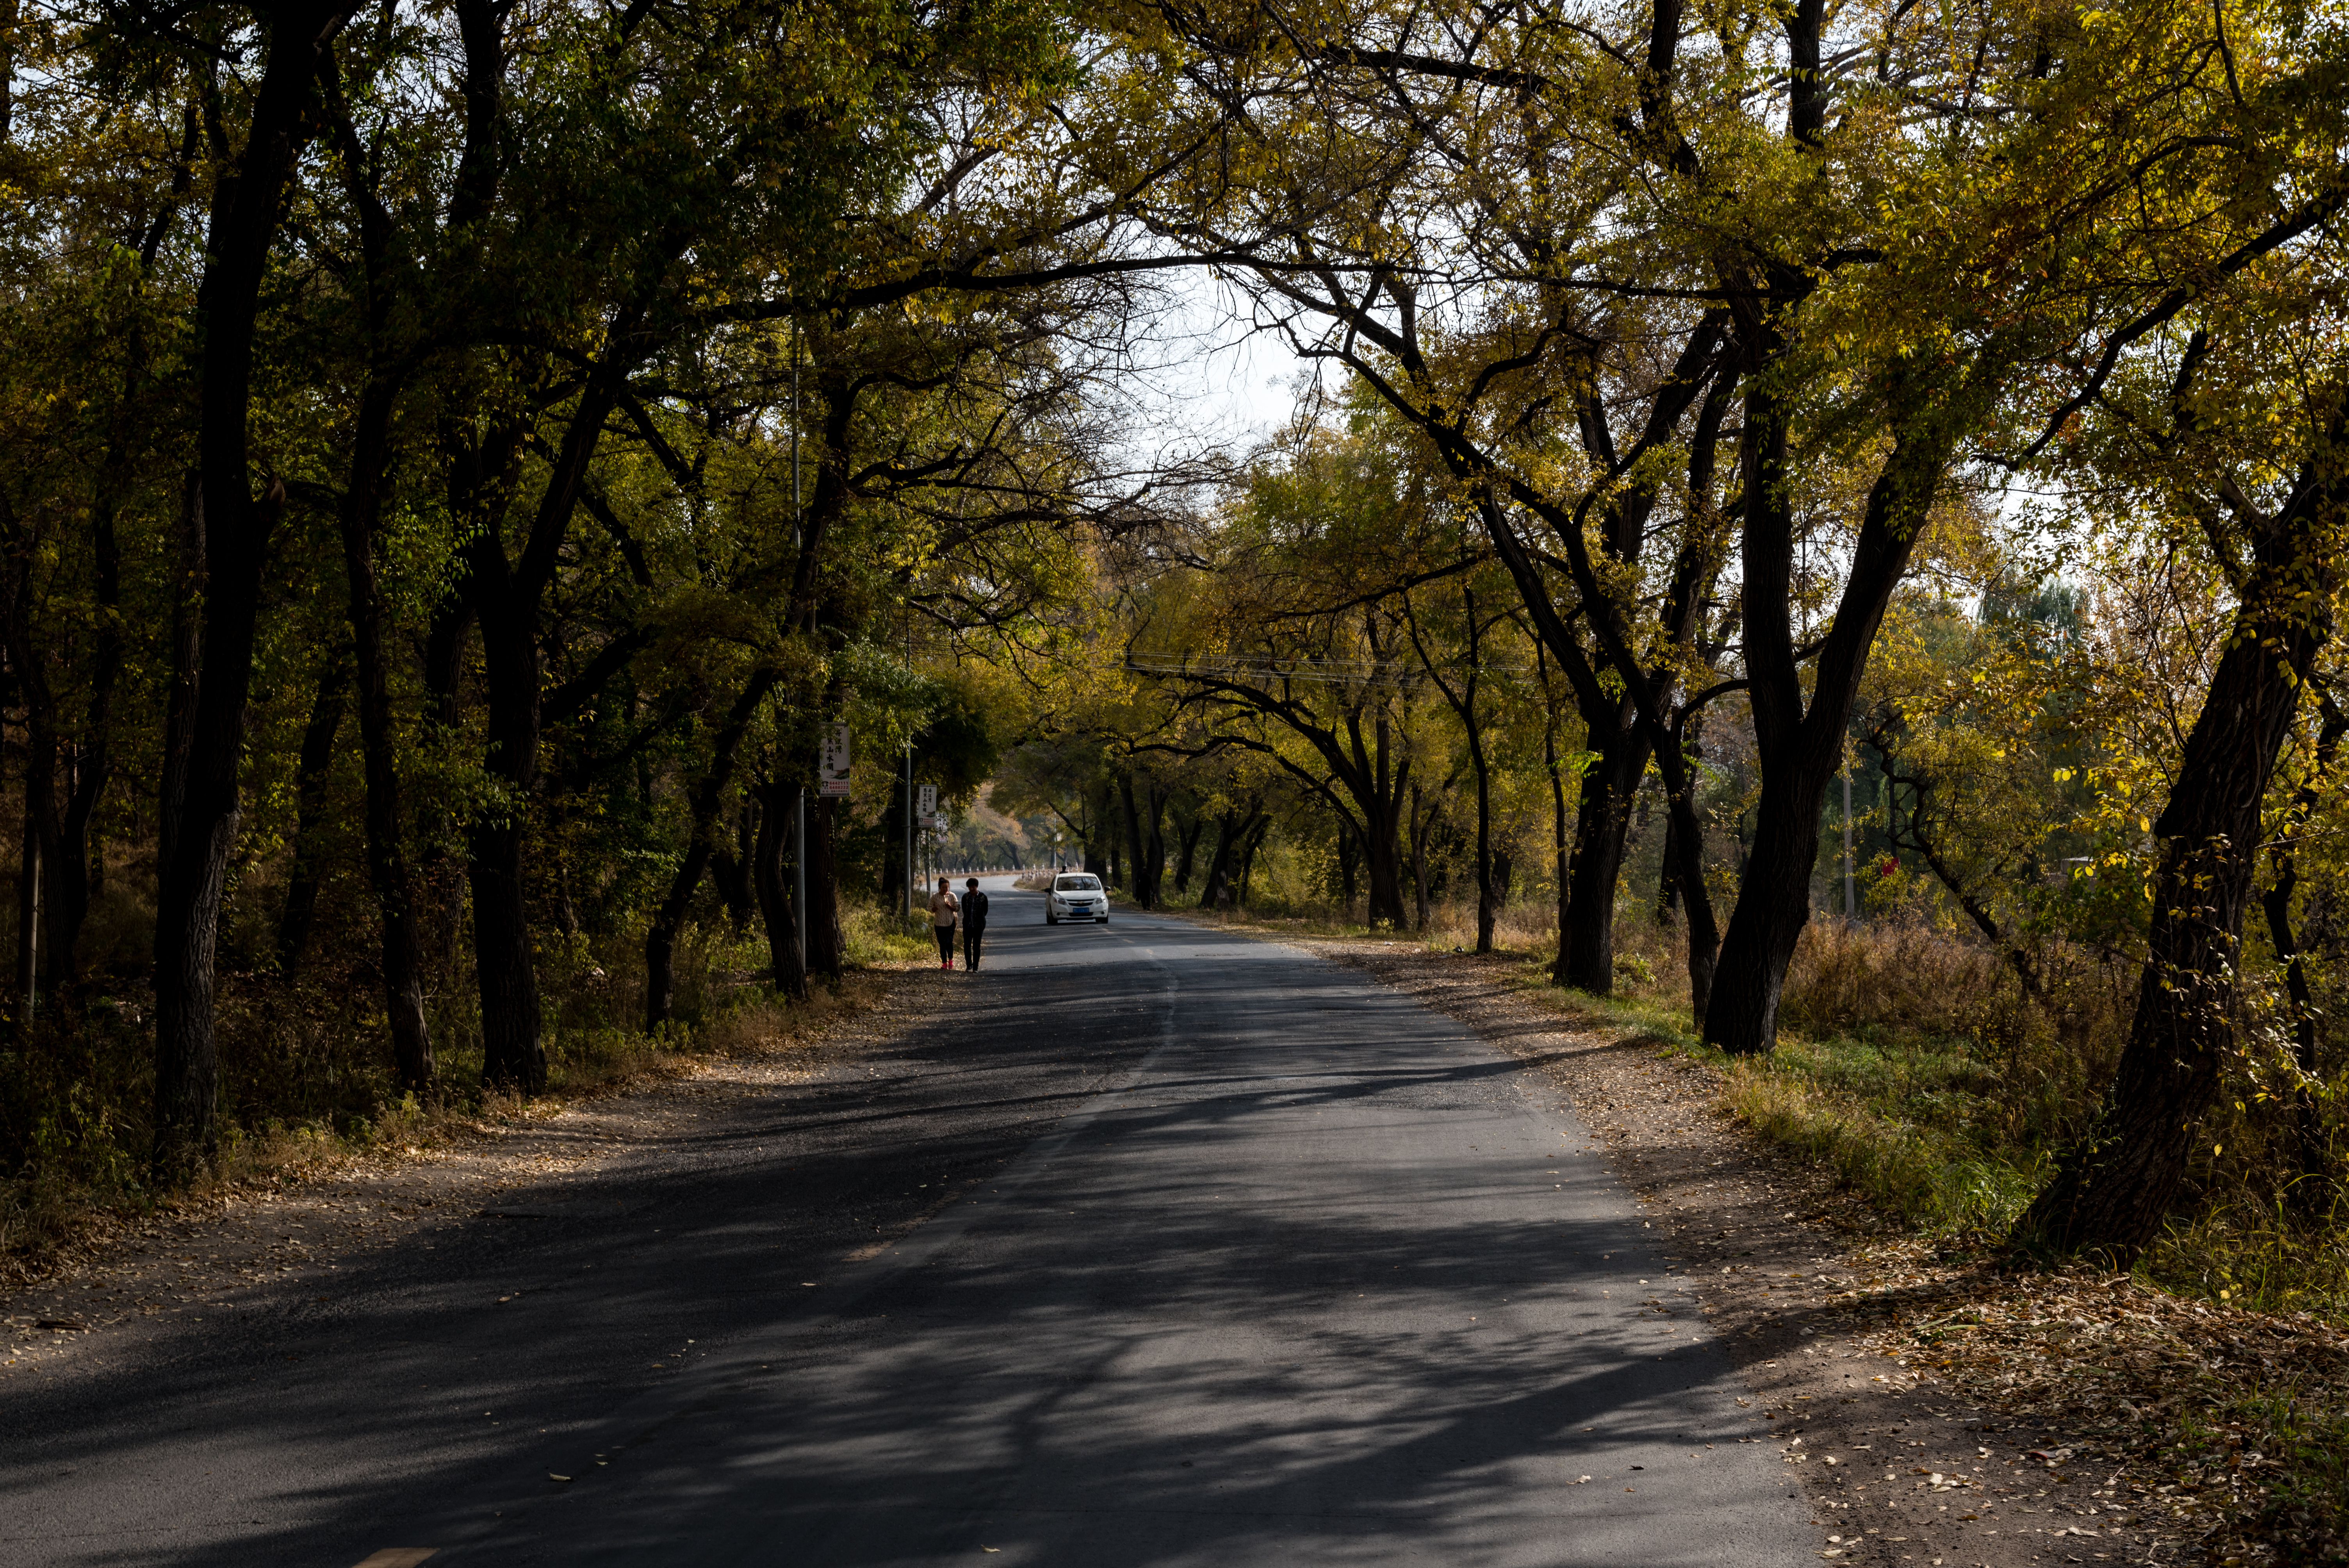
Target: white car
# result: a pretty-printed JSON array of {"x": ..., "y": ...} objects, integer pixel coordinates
[{"x": 1076, "y": 895}]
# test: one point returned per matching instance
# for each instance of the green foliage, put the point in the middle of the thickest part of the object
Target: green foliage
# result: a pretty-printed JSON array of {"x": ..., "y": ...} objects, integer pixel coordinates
[
  {"x": 693, "y": 379},
  {"x": 716, "y": 346}
]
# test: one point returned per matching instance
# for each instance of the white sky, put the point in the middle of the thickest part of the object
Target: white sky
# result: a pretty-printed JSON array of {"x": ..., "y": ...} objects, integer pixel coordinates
[{"x": 1205, "y": 379}]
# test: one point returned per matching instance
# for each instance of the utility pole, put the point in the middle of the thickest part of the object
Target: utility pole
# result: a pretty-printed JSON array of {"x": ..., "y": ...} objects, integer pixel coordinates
[
  {"x": 906, "y": 911},
  {"x": 799, "y": 803}
]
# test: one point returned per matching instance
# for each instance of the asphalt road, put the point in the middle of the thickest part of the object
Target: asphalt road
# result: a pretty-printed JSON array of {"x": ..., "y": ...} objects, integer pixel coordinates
[{"x": 1232, "y": 1258}]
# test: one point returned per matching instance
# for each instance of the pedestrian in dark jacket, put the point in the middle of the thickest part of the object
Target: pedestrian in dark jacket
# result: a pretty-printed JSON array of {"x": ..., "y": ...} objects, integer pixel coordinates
[{"x": 974, "y": 922}]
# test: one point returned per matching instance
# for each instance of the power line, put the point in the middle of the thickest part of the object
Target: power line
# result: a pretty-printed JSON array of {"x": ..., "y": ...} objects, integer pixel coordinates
[{"x": 1327, "y": 671}]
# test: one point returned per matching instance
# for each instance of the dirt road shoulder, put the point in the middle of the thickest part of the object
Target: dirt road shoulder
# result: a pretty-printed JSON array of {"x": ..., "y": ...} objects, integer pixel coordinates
[{"x": 290, "y": 1235}]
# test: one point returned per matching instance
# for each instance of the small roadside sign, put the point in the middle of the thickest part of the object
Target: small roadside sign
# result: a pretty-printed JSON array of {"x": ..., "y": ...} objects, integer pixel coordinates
[{"x": 832, "y": 771}]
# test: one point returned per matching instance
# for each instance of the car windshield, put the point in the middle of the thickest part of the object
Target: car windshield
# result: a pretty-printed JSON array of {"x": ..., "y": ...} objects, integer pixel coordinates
[{"x": 1079, "y": 885}]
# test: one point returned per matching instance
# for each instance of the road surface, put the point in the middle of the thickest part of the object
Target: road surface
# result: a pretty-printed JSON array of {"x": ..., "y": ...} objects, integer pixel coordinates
[{"x": 1231, "y": 1258}]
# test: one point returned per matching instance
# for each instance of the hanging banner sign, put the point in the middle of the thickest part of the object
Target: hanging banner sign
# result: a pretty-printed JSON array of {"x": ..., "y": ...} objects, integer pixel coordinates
[
  {"x": 925, "y": 804},
  {"x": 832, "y": 771}
]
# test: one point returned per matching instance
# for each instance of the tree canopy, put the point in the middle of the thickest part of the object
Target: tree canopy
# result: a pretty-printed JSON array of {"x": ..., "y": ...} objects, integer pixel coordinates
[{"x": 462, "y": 463}]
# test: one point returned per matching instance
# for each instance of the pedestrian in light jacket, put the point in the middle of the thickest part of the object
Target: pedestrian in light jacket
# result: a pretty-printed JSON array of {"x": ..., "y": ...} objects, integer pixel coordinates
[
  {"x": 974, "y": 922},
  {"x": 943, "y": 909}
]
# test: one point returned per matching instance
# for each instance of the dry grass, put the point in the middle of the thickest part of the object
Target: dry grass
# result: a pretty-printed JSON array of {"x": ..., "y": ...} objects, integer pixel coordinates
[
  {"x": 766, "y": 1026},
  {"x": 1913, "y": 1068},
  {"x": 1909, "y": 1061},
  {"x": 1517, "y": 928}
]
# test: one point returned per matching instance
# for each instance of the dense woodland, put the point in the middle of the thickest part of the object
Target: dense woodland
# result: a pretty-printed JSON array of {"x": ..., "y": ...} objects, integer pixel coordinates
[{"x": 459, "y": 461}]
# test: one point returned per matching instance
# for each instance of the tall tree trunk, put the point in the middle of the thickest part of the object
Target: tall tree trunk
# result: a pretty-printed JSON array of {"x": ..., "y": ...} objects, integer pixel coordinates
[
  {"x": 1800, "y": 724},
  {"x": 708, "y": 798},
  {"x": 1462, "y": 701},
  {"x": 187, "y": 656},
  {"x": 514, "y": 1054},
  {"x": 246, "y": 202},
  {"x": 1153, "y": 846},
  {"x": 80, "y": 871},
  {"x": 390, "y": 878},
  {"x": 1383, "y": 860},
  {"x": 1560, "y": 967},
  {"x": 1485, "y": 912},
  {"x": 1668, "y": 879},
  {"x": 74, "y": 880},
  {"x": 22, "y": 994},
  {"x": 61, "y": 828},
  {"x": 62, "y": 809},
  {"x": 730, "y": 870},
  {"x": 1623, "y": 715},
  {"x": 313, "y": 776},
  {"x": 1773, "y": 904},
  {"x": 1382, "y": 806},
  {"x": 1187, "y": 844},
  {"x": 65, "y": 863},
  {"x": 893, "y": 841},
  {"x": 1230, "y": 827},
  {"x": 441, "y": 887},
  {"x": 1684, "y": 847},
  {"x": 53, "y": 973},
  {"x": 1247, "y": 855},
  {"x": 506, "y": 596},
  {"x": 2314, "y": 1190},
  {"x": 1422, "y": 824},
  {"x": 1602, "y": 823},
  {"x": 2114, "y": 1190},
  {"x": 778, "y": 810},
  {"x": 390, "y": 874},
  {"x": 826, "y": 950},
  {"x": 815, "y": 612},
  {"x": 35, "y": 905},
  {"x": 1137, "y": 883}
]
